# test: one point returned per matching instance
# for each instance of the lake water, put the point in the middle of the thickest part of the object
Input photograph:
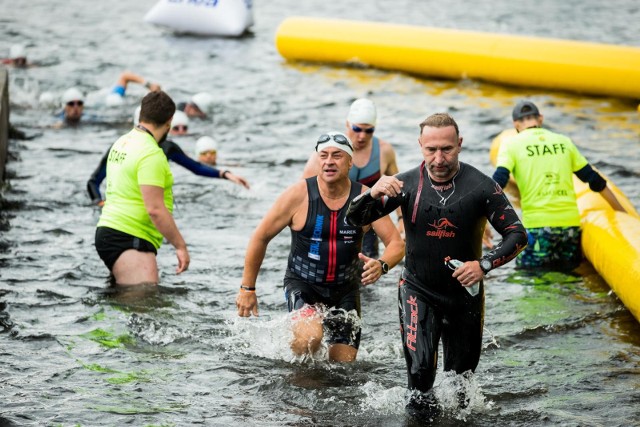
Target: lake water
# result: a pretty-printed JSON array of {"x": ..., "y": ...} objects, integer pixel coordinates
[{"x": 558, "y": 350}]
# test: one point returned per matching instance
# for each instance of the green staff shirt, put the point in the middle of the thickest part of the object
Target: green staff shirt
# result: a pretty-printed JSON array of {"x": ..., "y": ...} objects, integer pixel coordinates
[
  {"x": 134, "y": 160},
  {"x": 542, "y": 163}
]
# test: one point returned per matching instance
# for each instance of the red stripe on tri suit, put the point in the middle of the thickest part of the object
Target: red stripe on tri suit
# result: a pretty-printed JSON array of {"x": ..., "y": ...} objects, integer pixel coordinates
[{"x": 333, "y": 255}]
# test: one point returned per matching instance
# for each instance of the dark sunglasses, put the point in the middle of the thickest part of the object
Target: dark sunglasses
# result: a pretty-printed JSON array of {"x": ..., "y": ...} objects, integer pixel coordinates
[
  {"x": 339, "y": 138},
  {"x": 179, "y": 128},
  {"x": 75, "y": 103},
  {"x": 358, "y": 129}
]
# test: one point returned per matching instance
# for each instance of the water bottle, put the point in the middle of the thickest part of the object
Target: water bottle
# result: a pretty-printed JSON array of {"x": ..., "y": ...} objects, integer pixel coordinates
[{"x": 454, "y": 264}]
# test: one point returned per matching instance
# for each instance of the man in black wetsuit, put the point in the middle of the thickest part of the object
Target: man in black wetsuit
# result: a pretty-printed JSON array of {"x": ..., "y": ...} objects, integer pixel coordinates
[
  {"x": 323, "y": 275},
  {"x": 445, "y": 204}
]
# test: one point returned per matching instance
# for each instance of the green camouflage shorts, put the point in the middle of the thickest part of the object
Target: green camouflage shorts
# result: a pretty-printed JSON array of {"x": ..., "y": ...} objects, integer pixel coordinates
[{"x": 552, "y": 247}]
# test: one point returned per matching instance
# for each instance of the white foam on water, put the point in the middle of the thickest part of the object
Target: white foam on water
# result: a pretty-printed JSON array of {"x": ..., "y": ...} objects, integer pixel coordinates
[
  {"x": 375, "y": 351},
  {"x": 154, "y": 332},
  {"x": 460, "y": 395},
  {"x": 448, "y": 390},
  {"x": 382, "y": 400},
  {"x": 270, "y": 336},
  {"x": 265, "y": 336}
]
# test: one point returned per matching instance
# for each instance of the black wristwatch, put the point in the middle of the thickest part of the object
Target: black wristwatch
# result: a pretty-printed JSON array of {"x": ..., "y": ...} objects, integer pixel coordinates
[
  {"x": 385, "y": 266},
  {"x": 485, "y": 265}
]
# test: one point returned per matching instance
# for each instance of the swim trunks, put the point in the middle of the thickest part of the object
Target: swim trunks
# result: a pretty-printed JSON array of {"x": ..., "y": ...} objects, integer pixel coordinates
[
  {"x": 552, "y": 247},
  {"x": 111, "y": 243}
]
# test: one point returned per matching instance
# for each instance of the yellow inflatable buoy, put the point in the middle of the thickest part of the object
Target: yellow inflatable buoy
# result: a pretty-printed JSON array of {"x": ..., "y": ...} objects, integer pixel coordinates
[{"x": 574, "y": 66}]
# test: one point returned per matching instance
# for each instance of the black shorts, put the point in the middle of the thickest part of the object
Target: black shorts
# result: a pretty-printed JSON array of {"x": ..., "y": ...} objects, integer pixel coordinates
[
  {"x": 111, "y": 243},
  {"x": 341, "y": 322}
]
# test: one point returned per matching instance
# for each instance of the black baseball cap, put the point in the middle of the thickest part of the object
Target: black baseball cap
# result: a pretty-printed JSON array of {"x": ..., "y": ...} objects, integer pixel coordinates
[{"x": 524, "y": 109}]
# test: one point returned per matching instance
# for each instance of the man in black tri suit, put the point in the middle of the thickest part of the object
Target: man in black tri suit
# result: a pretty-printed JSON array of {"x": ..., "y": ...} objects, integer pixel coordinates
[
  {"x": 445, "y": 204},
  {"x": 325, "y": 266}
]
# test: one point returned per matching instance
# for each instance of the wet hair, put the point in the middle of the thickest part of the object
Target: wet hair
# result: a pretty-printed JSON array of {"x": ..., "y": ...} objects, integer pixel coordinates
[
  {"x": 439, "y": 120},
  {"x": 157, "y": 108}
]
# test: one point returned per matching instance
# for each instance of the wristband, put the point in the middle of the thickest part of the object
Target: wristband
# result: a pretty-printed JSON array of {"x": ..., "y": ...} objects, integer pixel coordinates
[
  {"x": 248, "y": 288},
  {"x": 224, "y": 174},
  {"x": 147, "y": 85}
]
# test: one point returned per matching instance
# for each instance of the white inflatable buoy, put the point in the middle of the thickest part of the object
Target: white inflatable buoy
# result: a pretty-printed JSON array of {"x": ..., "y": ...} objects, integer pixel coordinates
[{"x": 228, "y": 18}]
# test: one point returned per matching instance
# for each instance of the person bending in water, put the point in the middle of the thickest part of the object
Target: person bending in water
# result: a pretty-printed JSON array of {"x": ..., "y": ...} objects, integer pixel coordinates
[
  {"x": 137, "y": 214},
  {"x": 446, "y": 204},
  {"x": 321, "y": 284}
]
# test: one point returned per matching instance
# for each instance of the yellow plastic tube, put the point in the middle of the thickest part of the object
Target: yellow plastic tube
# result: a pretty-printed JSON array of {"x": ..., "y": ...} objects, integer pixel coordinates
[{"x": 574, "y": 66}]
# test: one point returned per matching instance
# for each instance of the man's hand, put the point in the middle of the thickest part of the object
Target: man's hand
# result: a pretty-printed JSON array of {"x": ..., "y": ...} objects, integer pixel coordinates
[
  {"x": 237, "y": 179},
  {"x": 372, "y": 269},
  {"x": 183, "y": 260},
  {"x": 468, "y": 273},
  {"x": 387, "y": 186},
  {"x": 247, "y": 303}
]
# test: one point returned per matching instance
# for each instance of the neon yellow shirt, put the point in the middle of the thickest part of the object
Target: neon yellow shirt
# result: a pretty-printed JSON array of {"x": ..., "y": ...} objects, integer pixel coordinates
[
  {"x": 134, "y": 160},
  {"x": 542, "y": 163}
]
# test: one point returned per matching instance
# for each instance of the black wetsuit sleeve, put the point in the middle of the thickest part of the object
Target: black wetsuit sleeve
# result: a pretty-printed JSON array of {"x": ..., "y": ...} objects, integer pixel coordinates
[
  {"x": 596, "y": 182},
  {"x": 505, "y": 221},
  {"x": 98, "y": 175},
  {"x": 178, "y": 156},
  {"x": 501, "y": 176},
  {"x": 364, "y": 209}
]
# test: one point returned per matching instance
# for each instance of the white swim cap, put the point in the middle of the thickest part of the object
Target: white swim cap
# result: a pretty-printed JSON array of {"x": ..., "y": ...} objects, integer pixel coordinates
[
  {"x": 17, "y": 51},
  {"x": 335, "y": 139},
  {"x": 204, "y": 101},
  {"x": 205, "y": 143},
  {"x": 179, "y": 118},
  {"x": 362, "y": 111},
  {"x": 48, "y": 99},
  {"x": 136, "y": 115},
  {"x": 72, "y": 94}
]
